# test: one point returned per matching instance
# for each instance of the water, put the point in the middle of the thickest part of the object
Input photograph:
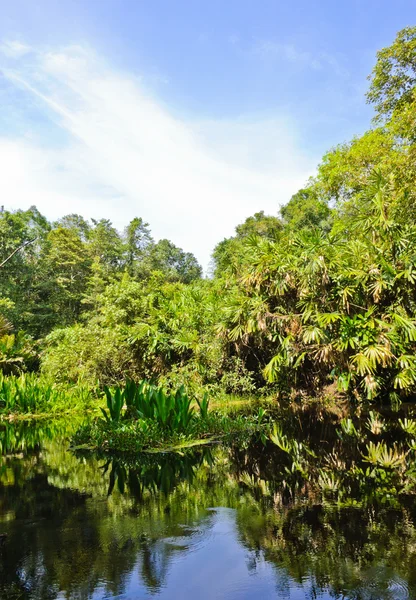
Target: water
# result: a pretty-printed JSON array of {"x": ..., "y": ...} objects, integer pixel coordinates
[{"x": 212, "y": 524}]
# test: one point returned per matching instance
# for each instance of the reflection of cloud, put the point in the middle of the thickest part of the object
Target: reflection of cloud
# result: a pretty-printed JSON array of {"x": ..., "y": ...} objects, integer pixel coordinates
[{"x": 108, "y": 148}]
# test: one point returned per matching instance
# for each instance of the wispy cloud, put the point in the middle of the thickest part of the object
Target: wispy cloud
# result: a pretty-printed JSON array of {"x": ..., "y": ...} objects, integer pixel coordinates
[
  {"x": 272, "y": 50},
  {"x": 109, "y": 148},
  {"x": 14, "y": 48}
]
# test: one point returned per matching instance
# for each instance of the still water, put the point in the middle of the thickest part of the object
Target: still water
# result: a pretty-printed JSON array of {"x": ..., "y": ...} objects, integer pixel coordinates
[{"x": 211, "y": 524}]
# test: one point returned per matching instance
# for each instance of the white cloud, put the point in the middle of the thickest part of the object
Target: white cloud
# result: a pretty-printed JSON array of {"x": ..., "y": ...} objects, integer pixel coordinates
[
  {"x": 124, "y": 154},
  {"x": 14, "y": 48}
]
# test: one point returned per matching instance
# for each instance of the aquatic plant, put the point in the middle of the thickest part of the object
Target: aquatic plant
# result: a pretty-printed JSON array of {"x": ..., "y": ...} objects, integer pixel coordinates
[
  {"x": 114, "y": 404},
  {"x": 171, "y": 410},
  {"x": 29, "y": 393},
  {"x": 203, "y": 406}
]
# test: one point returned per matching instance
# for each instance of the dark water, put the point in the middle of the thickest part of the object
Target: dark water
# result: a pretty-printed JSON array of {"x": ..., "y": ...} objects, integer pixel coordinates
[{"x": 212, "y": 524}]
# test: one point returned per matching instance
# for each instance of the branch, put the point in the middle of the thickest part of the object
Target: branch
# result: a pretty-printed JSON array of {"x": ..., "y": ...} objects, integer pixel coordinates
[{"x": 17, "y": 250}]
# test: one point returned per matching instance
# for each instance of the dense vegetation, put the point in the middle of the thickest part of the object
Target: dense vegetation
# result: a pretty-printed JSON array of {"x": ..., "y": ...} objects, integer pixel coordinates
[
  {"x": 319, "y": 300},
  {"x": 143, "y": 416}
]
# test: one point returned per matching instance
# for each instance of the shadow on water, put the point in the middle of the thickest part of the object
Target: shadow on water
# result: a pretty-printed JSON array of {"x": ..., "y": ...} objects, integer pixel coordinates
[{"x": 222, "y": 522}]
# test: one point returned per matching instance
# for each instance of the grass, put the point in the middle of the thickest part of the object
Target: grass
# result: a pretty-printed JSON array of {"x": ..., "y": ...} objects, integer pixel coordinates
[{"x": 30, "y": 395}]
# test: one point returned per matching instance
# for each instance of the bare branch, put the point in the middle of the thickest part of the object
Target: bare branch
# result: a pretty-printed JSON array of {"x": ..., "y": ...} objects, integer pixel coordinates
[{"x": 17, "y": 250}]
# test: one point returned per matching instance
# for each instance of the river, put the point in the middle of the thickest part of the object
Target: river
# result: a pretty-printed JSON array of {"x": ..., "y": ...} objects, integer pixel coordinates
[{"x": 208, "y": 524}]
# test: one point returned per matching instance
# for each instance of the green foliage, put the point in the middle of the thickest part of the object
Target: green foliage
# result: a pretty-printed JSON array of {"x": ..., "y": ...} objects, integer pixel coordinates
[
  {"x": 171, "y": 262},
  {"x": 321, "y": 299},
  {"x": 17, "y": 353},
  {"x": 55, "y": 272},
  {"x": 114, "y": 404},
  {"x": 408, "y": 426},
  {"x": 172, "y": 411},
  {"x": 394, "y": 76},
  {"x": 387, "y": 458},
  {"x": 143, "y": 416},
  {"x": 348, "y": 427},
  {"x": 334, "y": 309},
  {"x": 28, "y": 393},
  {"x": 203, "y": 406},
  {"x": 91, "y": 353},
  {"x": 228, "y": 254},
  {"x": 305, "y": 209},
  {"x": 157, "y": 434}
]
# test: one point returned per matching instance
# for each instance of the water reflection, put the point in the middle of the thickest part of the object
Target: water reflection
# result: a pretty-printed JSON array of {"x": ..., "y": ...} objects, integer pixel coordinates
[{"x": 214, "y": 523}]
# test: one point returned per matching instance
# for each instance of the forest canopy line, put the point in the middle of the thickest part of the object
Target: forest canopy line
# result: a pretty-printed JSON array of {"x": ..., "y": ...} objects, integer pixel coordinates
[{"x": 321, "y": 297}]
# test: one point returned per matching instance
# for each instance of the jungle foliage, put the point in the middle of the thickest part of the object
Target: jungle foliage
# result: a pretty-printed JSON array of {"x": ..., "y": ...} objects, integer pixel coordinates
[
  {"x": 320, "y": 298},
  {"x": 30, "y": 394}
]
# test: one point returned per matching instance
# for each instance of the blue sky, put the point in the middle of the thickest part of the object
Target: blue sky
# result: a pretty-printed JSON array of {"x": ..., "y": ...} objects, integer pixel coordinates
[{"x": 191, "y": 114}]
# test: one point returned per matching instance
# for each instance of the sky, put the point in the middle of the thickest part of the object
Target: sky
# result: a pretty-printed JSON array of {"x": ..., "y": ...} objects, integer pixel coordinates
[{"x": 192, "y": 114}]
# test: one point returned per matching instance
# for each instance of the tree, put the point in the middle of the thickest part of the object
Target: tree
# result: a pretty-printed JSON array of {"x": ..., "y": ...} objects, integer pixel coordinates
[
  {"x": 77, "y": 223},
  {"x": 66, "y": 269},
  {"x": 228, "y": 253},
  {"x": 173, "y": 262},
  {"x": 137, "y": 240},
  {"x": 304, "y": 209},
  {"x": 22, "y": 238},
  {"x": 393, "y": 79},
  {"x": 259, "y": 224}
]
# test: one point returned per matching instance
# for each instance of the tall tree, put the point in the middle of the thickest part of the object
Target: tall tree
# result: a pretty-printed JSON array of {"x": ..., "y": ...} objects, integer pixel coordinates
[
  {"x": 137, "y": 240},
  {"x": 393, "y": 79},
  {"x": 65, "y": 276}
]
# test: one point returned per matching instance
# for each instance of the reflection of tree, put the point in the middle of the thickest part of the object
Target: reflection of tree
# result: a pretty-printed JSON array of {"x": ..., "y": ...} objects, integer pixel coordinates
[
  {"x": 93, "y": 524},
  {"x": 26, "y": 436},
  {"x": 41, "y": 509},
  {"x": 83, "y": 523},
  {"x": 340, "y": 549}
]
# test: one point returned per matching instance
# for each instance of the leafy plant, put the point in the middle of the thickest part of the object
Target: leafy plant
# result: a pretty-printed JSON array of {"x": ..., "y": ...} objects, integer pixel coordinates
[
  {"x": 383, "y": 456},
  {"x": 375, "y": 423},
  {"x": 28, "y": 393},
  {"x": 203, "y": 406},
  {"x": 408, "y": 426},
  {"x": 172, "y": 411},
  {"x": 114, "y": 404},
  {"x": 348, "y": 427}
]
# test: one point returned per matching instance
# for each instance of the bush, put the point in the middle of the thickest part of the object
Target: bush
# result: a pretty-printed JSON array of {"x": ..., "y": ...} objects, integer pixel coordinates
[{"x": 89, "y": 353}]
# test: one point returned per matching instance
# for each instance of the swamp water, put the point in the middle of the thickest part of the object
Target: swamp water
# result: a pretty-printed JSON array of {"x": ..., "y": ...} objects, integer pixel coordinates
[{"x": 214, "y": 523}]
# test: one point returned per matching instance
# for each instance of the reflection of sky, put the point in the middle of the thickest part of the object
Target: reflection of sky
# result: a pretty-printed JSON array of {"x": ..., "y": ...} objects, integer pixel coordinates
[{"x": 215, "y": 566}]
